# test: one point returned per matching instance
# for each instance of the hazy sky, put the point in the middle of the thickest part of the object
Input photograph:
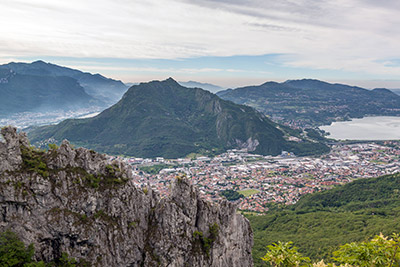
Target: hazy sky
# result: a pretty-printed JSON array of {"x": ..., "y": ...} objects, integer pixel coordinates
[{"x": 227, "y": 42}]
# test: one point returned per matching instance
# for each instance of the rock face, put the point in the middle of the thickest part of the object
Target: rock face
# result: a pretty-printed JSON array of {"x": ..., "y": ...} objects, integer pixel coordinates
[{"x": 76, "y": 201}]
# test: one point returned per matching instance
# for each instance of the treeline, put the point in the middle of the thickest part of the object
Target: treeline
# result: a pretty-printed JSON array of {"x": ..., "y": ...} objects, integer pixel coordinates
[
  {"x": 319, "y": 223},
  {"x": 231, "y": 195}
]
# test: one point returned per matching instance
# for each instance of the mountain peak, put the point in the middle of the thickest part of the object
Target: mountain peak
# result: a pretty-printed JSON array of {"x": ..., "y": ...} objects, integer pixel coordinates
[
  {"x": 305, "y": 80},
  {"x": 163, "y": 118},
  {"x": 269, "y": 83},
  {"x": 171, "y": 81},
  {"x": 39, "y": 62}
]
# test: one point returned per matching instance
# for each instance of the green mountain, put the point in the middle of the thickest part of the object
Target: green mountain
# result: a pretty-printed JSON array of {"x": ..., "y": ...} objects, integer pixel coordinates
[
  {"x": 318, "y": 223},
  {"x": 312, "y": 102},
  {"x": 19, "y": 82},
  {"x": 166, "y": 119},
  {"x": 24, "y": 92}
]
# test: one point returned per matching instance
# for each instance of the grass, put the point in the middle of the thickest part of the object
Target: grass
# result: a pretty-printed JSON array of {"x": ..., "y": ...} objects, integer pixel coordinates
[
  {"x": 194, "y": 155},
  {"x": 248, "y": 192}
]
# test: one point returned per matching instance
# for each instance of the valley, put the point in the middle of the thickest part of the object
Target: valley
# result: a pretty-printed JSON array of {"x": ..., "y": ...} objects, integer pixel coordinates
[
  {"x": 275, "y": 181},
  {"x": 25, "y": 120},
  {"x": 184, "y": 133}
]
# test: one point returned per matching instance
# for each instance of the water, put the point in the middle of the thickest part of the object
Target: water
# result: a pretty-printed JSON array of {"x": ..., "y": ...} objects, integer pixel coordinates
[{"x": 368, "y": 128}]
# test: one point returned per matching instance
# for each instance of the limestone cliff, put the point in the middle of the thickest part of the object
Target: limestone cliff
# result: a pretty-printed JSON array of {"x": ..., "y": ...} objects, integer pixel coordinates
[{"x": 76, "y": 201}]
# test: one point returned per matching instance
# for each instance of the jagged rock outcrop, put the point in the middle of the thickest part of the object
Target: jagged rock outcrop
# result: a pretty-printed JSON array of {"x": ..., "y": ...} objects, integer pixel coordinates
[{"x": 76, "y": 201}]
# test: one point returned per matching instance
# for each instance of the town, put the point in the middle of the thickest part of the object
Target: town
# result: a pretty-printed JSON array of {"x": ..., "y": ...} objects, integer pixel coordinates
[{"x": 258, "y": 182}]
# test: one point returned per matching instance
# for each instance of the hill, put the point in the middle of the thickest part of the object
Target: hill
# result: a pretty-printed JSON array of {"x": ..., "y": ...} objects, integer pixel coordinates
[
  {"x": 318, "y": 223},
  {"x": 105, "y": 91},
  {"x": 313, "y": 103},
  {"x": 24, "y": 92},
  {"x": 77, "y": 202},
  {"x": 206, "y": 86},
  {"x": 163, "y": 118}
]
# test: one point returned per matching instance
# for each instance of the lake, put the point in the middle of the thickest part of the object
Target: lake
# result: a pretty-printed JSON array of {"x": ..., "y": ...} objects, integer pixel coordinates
[{"x": 368, "y": 128}]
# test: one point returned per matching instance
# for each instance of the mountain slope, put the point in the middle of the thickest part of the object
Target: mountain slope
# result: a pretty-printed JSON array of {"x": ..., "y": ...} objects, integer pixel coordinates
[
  {"x": 206, "y": 86},
  {"x": 106, "y": 90},
  {"x": 23, "y": 92},
  {"x": 312, "y": 102},
  {"x": 318, "y": 223},
  {"x": 166, "y": 119},
  {"x": 78, "y": 202},
  {"x": 396, "y": 91}
]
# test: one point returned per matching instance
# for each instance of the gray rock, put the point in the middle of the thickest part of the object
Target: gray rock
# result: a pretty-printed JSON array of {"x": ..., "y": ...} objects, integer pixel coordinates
[
  {"x": 10, "y": 153},
  {"x": 61, "y": 208}
]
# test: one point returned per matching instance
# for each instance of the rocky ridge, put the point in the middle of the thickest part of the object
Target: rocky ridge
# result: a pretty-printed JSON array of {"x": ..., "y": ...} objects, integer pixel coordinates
[{"x": 76, "y": 201}]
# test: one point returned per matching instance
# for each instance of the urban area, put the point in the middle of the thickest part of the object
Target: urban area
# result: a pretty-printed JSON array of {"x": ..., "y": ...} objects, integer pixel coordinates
[{"x": 258, "y": 182}]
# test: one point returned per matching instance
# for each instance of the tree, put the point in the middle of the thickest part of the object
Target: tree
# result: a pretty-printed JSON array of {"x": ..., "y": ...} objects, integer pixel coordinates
[
  {"x": 13, "y": 251},
  {"x": 285, "y": 255},
  {"x": 380, "y": 251}
]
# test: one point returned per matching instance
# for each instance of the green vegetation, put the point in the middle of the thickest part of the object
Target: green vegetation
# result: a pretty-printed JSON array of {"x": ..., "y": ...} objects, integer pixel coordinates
[
  {"x": 284, "y": 254},
  {"x": 206, "y": 242},
  {"x": 113, "y": 177},
  {"x": 314, "y": 134},
  {"x": 314, "y": 103},
  {"x": 133, "y": 224},
  {"x": 231, "y": 195},
  {"x": 52, "y": 146},
  {"x": 91, "y": 180},
  {"x": 13, "y": 252},
  {"x": 155, "y": 169},
  {"x": 33, "y": 160},
  {"x": 248, "y": 192},
  {"x": 194, "y": 155},
  {"x": 380, "y": 251},
  {"x": 319, "y": 223},
  {"x": 66, "y": 261},
  {"x": 165, "y": 119}
]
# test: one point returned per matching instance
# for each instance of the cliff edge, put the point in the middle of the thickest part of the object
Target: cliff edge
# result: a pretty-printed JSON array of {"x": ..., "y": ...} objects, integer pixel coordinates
[{"x": 78, "y": 202}]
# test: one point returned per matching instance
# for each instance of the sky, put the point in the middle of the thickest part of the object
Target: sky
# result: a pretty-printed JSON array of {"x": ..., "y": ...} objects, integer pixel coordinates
[{"x": 230, "y": 43}]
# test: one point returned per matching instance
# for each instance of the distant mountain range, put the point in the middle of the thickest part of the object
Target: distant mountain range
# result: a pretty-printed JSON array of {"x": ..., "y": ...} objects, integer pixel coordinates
[
  {"x": 41, "y": 86},
  {"x": 206, "y": 86},
  {"x": 311, "y": 102},
  {"x": 163, "y": 118}
]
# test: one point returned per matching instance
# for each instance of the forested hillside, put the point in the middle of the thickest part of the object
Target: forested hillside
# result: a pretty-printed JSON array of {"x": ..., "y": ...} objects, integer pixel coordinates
[{"x": 318, "y": 223}]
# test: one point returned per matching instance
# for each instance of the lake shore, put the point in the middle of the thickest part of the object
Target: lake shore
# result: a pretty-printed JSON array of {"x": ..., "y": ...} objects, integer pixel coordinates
[{"x": 367, "y": 128}]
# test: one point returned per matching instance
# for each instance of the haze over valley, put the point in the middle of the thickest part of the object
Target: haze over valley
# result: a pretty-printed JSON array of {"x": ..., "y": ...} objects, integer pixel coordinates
[{"x": 200, "y": 133}]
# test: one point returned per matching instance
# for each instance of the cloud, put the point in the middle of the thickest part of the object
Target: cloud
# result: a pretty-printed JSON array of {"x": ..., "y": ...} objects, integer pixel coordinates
[{"x": 348, "y": 35}]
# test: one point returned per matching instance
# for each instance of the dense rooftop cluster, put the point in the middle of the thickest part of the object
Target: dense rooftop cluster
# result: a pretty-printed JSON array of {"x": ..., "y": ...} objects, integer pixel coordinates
[{"x": 266, "y": 180}]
